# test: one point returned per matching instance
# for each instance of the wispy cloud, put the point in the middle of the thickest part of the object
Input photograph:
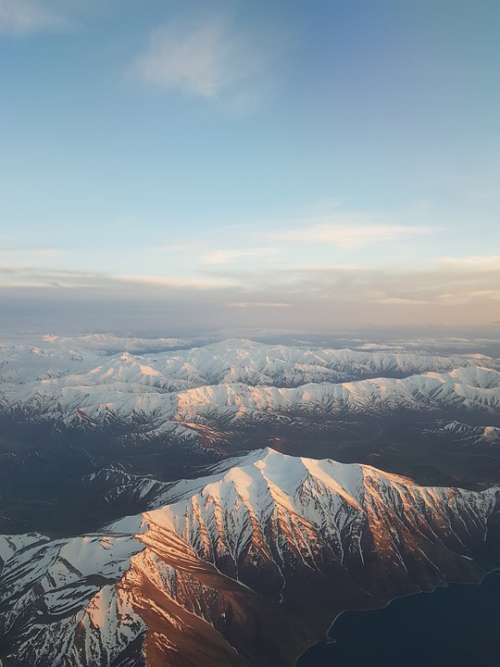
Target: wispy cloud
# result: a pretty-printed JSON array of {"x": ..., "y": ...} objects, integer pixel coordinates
[
  {"x": 39, "y": 277},
  {"x": 19, "y": 257},
  {"x": 208, "y": 59},
  {"x": 28, "y": 16},
  {"x": 206, "y": 282},
  {"x": 401, "y": 301},
  {"x": 258, "y": 304},
  {"x": 473, "y": 263},
  {"x": 350, "y": 234},
  {"x": 441, "y": 294},
  {"x": 229, "y": 256}
]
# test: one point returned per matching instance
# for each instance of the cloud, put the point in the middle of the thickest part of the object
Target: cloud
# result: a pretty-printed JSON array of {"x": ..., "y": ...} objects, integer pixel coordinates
[
  {"x": 398, "y": 300},
  {"x": 220, "y": 257},
  {"x": 315, "y": 299},
  {"x": 28, "y": 16},
  {"x": 473, "y": 263},
  {"x": 207, "y": 59},
  {"x": 39, "y": 277},
  {"x": 207, "y": 282},
  {"x": 350, "y": 234},
  {"x": 42, "y": 278},
  {"x": 258, "y": 304},
  {"x": 27, "y": 256}
]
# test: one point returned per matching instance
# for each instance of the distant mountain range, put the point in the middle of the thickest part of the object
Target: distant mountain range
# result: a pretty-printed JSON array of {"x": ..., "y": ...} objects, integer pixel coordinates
[{"x": 78, "y": 382}]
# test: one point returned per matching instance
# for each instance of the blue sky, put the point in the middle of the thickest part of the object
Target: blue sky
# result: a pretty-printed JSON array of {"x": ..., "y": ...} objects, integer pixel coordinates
[{"x": 259, "y": 160}]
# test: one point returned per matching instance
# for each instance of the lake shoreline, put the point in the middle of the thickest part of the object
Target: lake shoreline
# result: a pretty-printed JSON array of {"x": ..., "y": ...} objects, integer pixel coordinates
[{"x": 329, "y": 639}]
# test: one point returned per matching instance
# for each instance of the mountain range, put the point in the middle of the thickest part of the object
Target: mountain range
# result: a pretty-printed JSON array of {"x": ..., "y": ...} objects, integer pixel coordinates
[
  {"x": 237, "y": 380},
  {"x": 191, "y": 502}
]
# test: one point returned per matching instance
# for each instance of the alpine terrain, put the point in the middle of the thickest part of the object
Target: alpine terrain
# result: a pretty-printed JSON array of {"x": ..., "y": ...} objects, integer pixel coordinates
[
  {"x": 245, "y": 566},
  {"x": 210, "y": 503}
]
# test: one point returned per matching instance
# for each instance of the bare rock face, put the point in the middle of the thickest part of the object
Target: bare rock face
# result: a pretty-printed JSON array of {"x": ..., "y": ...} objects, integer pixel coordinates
[{"x": 245, "y": 566}]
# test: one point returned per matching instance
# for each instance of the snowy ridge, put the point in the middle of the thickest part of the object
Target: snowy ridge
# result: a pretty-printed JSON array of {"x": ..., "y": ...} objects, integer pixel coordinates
[
  {"x": 98, "y": 358},
  {"x": 235, "y": 379},
  {"x": 480, "y": 434},
  {"x": 256, "y": 538},
  {"x": 467, "y": 388},
  {"x": 225, "y": 508}
]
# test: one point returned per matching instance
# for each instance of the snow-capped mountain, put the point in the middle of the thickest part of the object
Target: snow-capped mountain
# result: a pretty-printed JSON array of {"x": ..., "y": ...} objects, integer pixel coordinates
[
  {"x": 468, "y": 388},
  {"x": 71, "y": 407},
  {"x": 244, "y": 566},
  {"x": 27, "y": 359},
  {"x": 248, "y": 362},
  {"x": 236, "y": 380},
  {"x": 481, "y": 435},
  {"x": 225, "y": 362}
]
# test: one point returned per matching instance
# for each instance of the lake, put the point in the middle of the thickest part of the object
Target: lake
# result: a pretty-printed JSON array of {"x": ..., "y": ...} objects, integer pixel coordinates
[{"x": 458, "y": 626}]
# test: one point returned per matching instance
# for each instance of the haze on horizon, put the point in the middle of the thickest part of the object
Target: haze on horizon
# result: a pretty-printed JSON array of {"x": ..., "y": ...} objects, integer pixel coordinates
[{"x": 302, "y": 166}]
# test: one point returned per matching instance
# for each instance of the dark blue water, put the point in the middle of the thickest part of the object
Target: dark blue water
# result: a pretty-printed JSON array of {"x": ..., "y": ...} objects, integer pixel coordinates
[{"x": 458, "y": 626}]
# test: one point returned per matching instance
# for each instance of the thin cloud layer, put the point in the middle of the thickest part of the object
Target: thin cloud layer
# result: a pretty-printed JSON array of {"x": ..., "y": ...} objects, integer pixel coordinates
[
  {"x": 229, "y": 256},
  {"x": 473, "y": 263},
  {"x": 296, "y": 299},
  {"x": 258, "y": 304},
  {"x": 29, "y": 16},
  {"x": 206, "y": 59},
  {"x": 351, "y": 235}
]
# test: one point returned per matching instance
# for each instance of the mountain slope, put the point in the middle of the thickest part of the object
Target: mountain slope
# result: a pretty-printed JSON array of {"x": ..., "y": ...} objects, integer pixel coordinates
[{"x": 246, "y": 566}]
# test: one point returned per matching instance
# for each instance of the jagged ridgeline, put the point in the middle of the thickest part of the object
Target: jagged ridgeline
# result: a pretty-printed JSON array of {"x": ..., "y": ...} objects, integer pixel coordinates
[
  {"x": 247, "y": 565},
  {"x": 107, "y": 560},
  {"x": 73, "y": 408}
]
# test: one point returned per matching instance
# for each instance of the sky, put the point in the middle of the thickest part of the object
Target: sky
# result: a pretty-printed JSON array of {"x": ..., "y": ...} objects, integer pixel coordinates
[{"x": 182, "y": 166}]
